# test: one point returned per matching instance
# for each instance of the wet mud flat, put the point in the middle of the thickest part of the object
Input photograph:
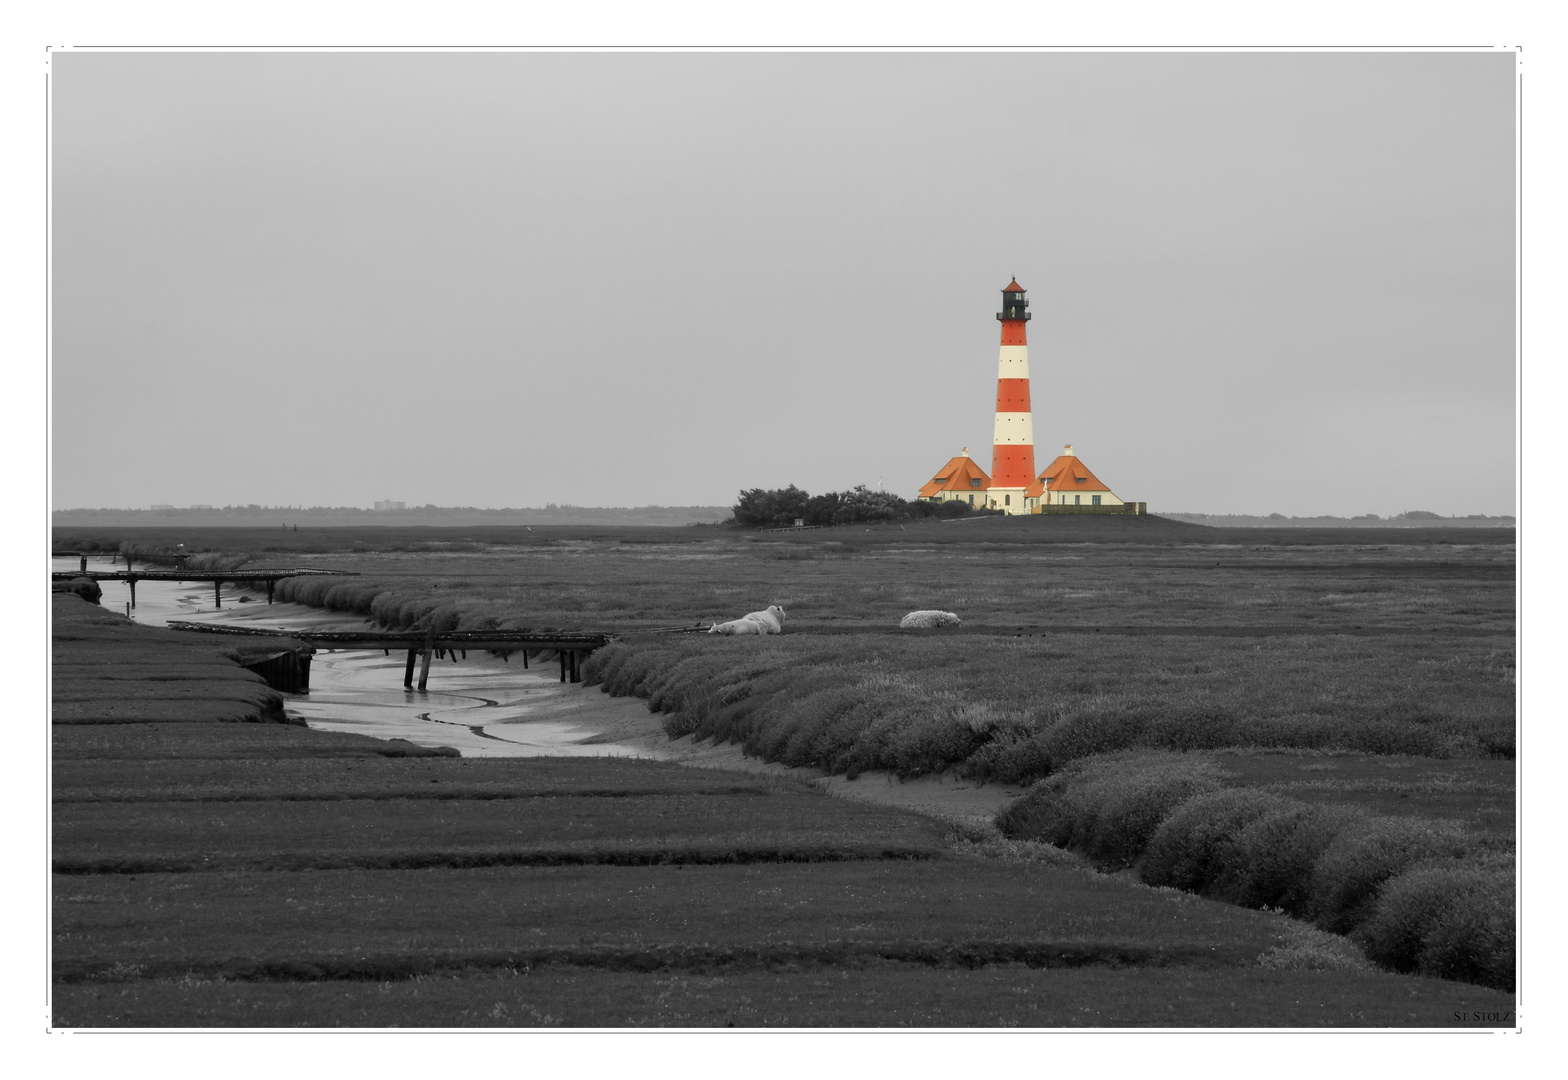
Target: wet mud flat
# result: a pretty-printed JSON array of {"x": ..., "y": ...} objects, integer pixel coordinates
[{"x": 480, "y": 706}]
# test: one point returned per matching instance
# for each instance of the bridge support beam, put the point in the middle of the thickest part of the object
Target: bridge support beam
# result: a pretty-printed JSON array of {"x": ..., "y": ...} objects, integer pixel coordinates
[
  {"x": 424, "y": 666},
  {"x": 270, "y": 584},
  {"x": 217, "y": 594},
  {"x": 561, "y": 656},
  {"x": 408, "y": 671},
  {"x": 132, "y": 583}
]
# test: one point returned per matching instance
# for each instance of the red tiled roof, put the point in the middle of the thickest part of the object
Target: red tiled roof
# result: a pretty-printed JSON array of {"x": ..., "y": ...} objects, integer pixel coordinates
[
  {"x": 1014, "y": 287},
  {"x": 1067, "y": 473},
  {"x": 955, "y": 476}
]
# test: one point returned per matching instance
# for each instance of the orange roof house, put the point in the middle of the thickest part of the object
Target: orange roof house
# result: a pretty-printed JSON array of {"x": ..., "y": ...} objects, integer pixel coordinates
[
  {"x": 959, "y": 479},
  {"x": 1067, "y": 481}
]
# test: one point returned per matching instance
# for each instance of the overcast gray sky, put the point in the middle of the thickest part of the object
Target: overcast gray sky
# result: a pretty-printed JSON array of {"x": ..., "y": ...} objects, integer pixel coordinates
[{"x": 1277, "y": 282}]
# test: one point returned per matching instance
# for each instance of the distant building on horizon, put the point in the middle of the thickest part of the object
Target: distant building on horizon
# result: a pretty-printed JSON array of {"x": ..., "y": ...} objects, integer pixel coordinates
[
  {"x": 162, "y": 506},
  {"x": 388, "y": 504}
]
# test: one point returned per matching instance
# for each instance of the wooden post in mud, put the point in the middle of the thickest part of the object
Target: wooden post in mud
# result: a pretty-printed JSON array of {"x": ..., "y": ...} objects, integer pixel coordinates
[
  {"x": 560, "y": 655},
  {"x": 408, "y": 672},
  {"x": 84, "y": 564},
  {"x": 424, "y": 665},
  {"x": 132, "y": 583},
  {"x": 525, "y": 659},
  {"x": 270, "y": 584},
  {"x": 217, "y": 594}
]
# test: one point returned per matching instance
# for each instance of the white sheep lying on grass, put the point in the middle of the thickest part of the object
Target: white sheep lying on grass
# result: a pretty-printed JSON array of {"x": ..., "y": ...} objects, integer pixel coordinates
[
  {"x": 770, "y": 621},
  {"x": 926, "y": 620}
]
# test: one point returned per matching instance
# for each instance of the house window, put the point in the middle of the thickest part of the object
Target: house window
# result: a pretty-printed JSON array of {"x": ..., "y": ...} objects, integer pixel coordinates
[
  {"x": 1096, "y": 500},
  {"x": 1007, "y": 500},
  {"x": 974, "y": 483},
  {"x": 1077, "y": 499},
  {"x": 971, "y": 500}
]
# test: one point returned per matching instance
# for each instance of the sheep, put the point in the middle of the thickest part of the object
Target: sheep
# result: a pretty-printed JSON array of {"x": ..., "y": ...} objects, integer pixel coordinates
[
  {"x": 926, "y": 620},
  {"x": 770, "y": 621}
]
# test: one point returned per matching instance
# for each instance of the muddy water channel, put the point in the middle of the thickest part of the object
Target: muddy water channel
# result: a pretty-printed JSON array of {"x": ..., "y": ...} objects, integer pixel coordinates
[{"x": 480, "y": 705}]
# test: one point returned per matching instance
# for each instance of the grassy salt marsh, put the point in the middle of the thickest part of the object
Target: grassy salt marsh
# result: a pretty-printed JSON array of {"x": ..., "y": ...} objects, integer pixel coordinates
[{"x": 1369, "y": 678}]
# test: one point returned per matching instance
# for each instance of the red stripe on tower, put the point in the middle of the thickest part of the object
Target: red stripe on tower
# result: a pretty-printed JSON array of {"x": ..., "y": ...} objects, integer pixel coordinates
[{"x": 1012, "y": 452}]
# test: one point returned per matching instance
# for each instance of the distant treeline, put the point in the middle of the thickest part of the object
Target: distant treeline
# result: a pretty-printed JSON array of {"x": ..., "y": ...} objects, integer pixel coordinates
[{"x": 783, "y": 507}]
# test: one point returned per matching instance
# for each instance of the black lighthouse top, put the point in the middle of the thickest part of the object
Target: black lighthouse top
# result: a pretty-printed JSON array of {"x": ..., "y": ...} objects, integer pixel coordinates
[{"x": 1014, "y": 306}]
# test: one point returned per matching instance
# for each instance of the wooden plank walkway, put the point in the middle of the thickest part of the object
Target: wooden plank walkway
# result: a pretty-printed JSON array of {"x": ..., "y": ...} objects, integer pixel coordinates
[
  {"x": 269, "y": 575},
  {"x": 570, "y": 646}
]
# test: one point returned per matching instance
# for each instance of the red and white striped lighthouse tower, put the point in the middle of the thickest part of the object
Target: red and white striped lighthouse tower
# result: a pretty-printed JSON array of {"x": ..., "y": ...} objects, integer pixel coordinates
[{"x": 1012, "y": 452}]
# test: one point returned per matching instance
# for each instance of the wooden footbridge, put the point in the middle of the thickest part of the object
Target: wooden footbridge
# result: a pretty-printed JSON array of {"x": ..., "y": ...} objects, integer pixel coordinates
[
  {"x": 267, "y": 576},
  {"x": 570, "y": 646}
]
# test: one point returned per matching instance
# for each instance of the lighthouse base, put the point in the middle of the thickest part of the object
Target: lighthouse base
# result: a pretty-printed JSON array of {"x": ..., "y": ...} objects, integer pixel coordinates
[{"x": 1008, "y": 500}]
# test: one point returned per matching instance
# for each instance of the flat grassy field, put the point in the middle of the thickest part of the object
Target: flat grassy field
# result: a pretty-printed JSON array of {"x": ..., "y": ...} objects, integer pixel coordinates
[
  {"x": 1366, "y": 675},
  {"x": 246, "y": 924},
  {"x": 1047, "y": 574},
  {"x": 882, "y": 994}
]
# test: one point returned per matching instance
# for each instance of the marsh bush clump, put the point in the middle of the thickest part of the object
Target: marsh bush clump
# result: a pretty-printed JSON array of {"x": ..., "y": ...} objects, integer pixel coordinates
[
  {"x": 1396, "y": 883},
  {"x": 1269, "y": 861},
  {"x": 1109, "y": 807},
  {"x": 1306, "y": 948},
  {"x": 1102, "y": 725},
  {"x": 1185, "y": 852},
  {"x": 1366, "y": 854},
  {"x": 1449, "y": 919}
]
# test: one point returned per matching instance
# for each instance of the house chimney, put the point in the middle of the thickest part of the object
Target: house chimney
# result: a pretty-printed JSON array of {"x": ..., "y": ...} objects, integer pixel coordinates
[
  {"x": 1067, "y": 451},
  {"x": 966, "y": 451}
]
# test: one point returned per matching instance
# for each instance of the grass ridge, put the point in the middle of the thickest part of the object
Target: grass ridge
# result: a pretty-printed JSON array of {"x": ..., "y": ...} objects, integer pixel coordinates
[
  {"x": 677, "y": 958},
  {"x": 718, "y": 855},
  {"x": 438, "y": 796}
]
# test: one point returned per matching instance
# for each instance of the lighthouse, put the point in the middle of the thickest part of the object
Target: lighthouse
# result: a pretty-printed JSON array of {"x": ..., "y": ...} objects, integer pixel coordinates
[{"x": 1012, "y": 450}]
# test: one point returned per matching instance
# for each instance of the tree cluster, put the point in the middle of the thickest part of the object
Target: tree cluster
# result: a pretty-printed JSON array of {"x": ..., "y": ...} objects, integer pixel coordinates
[{"x": 782, "y": 507}]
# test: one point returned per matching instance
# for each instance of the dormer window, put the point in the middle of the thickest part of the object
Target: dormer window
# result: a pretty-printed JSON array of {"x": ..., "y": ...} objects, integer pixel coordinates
[{"x": 975, "y": 482}]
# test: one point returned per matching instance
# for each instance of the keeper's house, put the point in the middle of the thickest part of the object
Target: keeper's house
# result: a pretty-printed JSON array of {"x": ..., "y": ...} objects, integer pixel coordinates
[
  {"x": 960, "y": 479},
  {"x": 1067, "y": 486}
]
